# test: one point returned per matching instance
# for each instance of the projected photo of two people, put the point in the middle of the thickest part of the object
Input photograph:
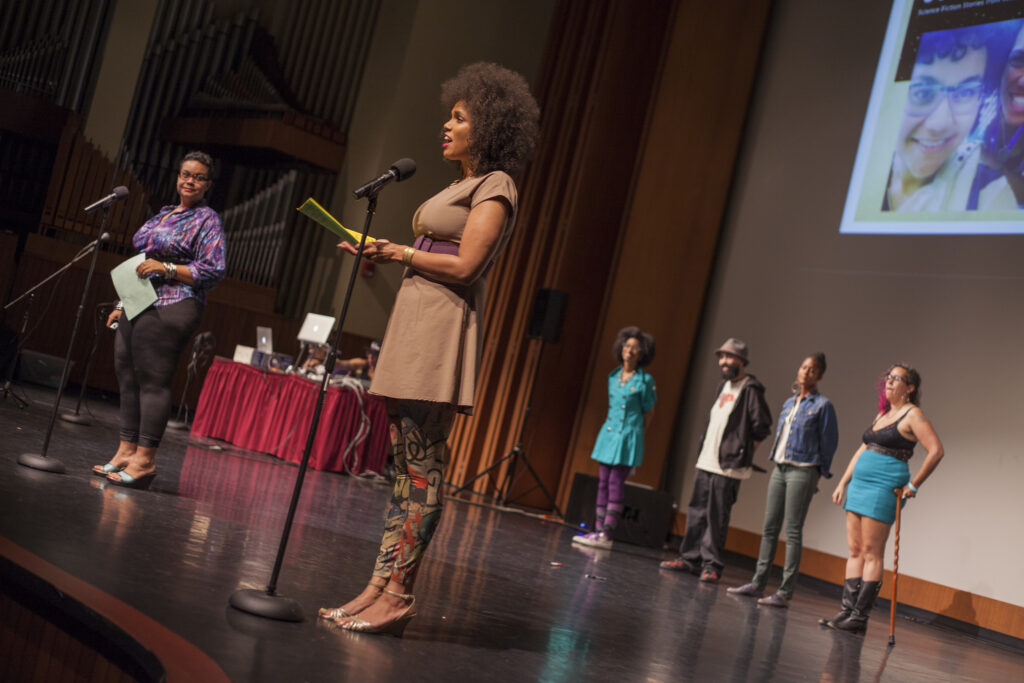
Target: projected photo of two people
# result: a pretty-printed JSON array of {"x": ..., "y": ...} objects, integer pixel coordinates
[{"x": 961, "y": 137}]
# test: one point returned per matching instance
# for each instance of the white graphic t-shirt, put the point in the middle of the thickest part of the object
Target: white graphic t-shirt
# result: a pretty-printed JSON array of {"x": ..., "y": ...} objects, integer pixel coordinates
[{"x": 720, "y": 412}]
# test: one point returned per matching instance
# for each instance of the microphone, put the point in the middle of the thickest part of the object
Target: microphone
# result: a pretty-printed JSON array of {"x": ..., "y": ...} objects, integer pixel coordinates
[
  {"x": 400, "y": 170},
  {"x": 120, "y": 192}
]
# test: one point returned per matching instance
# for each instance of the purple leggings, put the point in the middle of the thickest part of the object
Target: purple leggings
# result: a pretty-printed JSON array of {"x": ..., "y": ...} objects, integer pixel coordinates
[{"x": 611, "y": 492}]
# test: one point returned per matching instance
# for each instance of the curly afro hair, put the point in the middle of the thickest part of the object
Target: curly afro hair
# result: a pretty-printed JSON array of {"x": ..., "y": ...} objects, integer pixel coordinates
[
  {"x": 646, "y": 345},
  {"x": 503, "y": 115}
]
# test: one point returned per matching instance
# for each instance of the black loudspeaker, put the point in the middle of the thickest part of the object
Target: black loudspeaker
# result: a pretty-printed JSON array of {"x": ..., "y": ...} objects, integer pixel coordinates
[
  {"x": 646, "y": 519},
  {"x": 548, "y": 311}
]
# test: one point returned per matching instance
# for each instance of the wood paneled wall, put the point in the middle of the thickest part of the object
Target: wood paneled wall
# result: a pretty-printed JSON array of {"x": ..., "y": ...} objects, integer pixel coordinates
[
  {"x": 599, "y": 75},
  {"x": 667, "y": 247},
  {"x": 643, "y": 105},
  {"x": 82, "y": 174}
]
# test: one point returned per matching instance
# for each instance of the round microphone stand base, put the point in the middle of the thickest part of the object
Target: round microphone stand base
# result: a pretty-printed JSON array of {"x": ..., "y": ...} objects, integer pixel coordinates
[
  {"x": 262, "y": 604},
  {"x": 41, "y": 462},
  {"x": 178, "y": 424},
  {"x": 76, "y": 418}
]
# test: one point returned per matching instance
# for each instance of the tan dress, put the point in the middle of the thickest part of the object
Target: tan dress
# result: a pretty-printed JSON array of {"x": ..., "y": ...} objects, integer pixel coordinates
[{"x": 432, "y": 347}]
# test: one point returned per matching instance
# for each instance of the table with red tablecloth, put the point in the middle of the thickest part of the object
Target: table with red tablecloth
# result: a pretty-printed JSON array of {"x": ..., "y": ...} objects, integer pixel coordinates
[{"x": 271, "y": 413}]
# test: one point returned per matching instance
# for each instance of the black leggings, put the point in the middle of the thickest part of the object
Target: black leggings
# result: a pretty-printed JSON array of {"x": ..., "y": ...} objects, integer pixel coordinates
[{"x": 146, "y": 354}]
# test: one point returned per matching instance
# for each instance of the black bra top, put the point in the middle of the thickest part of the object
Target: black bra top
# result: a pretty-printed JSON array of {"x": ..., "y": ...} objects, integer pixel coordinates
[{"x": 889, "y": 436}]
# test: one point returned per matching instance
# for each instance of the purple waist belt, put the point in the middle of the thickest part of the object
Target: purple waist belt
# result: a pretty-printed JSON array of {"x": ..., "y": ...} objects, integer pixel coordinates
[{"x": 424, "y": 243}]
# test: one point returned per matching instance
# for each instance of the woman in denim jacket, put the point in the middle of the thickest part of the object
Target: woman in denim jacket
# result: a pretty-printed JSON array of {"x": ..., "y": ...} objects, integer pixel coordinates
[{"x": 805, "y": 441}]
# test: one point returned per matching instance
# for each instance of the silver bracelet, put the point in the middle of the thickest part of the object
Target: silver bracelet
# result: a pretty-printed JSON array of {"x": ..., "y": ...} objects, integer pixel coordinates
[
  {"x": 170, "y": 270},
  {"x": 119, "y": 306}
]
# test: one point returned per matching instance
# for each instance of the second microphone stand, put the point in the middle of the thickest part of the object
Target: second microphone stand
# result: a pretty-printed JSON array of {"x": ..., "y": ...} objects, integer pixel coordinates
[{"x": 40, "y": 461}]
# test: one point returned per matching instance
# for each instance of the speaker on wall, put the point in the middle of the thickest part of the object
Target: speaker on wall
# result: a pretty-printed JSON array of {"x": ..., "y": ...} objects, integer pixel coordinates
[{"x": 546, "y": 318}]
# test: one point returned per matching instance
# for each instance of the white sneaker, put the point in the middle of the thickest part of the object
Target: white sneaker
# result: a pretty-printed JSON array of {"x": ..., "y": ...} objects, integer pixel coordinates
[
  {"x": 583, "y": 538},
  {"x": 598, "y": 540}
]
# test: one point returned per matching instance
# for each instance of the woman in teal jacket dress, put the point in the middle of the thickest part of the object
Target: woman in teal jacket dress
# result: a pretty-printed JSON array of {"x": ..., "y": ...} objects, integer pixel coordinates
[{"x": 620, "y": 444}]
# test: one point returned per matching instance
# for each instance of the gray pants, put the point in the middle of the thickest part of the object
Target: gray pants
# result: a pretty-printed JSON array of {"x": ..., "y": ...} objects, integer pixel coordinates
[{"x": 790, "y": 489}]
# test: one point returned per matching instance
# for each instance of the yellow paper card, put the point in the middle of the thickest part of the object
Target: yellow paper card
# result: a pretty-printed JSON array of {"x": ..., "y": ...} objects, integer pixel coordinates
[{"x": 311, "y": 209}]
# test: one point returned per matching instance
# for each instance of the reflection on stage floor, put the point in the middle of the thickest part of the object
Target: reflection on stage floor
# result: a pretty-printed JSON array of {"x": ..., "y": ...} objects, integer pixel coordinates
[{"x": 501, "y": 596}]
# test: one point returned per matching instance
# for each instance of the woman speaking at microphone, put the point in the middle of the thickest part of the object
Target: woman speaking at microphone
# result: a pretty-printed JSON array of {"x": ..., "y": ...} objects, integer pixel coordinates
[
  {"x": 432, "y": 346},
  {"x": 184, "y": 247}
]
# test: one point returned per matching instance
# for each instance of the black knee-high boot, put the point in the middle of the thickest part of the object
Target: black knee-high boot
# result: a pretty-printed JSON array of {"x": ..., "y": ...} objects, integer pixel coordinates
[
  {"x": 857, "y": 622},
  {"x": 850, "y": 589}
]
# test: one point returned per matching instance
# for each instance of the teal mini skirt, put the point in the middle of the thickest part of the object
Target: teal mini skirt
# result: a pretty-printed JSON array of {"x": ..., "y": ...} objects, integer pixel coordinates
[{"x": 870, "y": 492}]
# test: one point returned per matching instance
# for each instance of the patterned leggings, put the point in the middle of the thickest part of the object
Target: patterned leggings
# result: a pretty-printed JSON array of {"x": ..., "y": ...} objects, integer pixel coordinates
[
  {"x": 419, "y": 443},
  {"x": 611, "y": 495}
]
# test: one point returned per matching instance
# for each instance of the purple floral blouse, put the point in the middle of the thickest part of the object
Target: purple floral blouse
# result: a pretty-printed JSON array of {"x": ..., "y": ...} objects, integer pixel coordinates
[{"x": 192, "y": 238}]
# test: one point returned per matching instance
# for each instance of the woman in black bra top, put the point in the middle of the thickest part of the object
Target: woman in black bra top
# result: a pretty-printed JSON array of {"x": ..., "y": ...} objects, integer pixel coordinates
[{"x": 877, "y": 471}]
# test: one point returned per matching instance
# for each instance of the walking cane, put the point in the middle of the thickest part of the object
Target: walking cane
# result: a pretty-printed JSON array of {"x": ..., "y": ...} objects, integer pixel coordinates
[{"x": 895, "y": 571}]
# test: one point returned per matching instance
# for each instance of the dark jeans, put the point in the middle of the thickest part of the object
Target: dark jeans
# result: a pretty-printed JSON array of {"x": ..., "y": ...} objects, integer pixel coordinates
[
  {"x": 790, "y": 489},
  {"x": 146, "y": 354},
  {"x": 707, "y": 519}
]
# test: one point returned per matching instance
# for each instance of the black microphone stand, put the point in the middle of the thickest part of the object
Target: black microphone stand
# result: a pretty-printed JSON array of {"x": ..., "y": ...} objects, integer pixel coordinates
[
  {"x": 267, "y": 603},
  {"x": 75, "y": 416},
  {"x": 40, "y": 461}
]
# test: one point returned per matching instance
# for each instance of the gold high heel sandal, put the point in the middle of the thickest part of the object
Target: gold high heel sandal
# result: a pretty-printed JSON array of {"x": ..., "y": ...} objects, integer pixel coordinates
[
  {"x": 337, "y": 613},
  {"x": 394, "y": 628}
]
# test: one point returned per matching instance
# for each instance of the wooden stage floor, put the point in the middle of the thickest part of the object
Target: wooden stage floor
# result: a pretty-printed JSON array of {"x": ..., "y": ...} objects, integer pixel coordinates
[{"x": 501, "y": 596}]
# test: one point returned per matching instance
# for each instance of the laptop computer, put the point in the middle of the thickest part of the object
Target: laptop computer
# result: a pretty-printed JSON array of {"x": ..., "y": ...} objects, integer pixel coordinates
[
  {"x": 264, "y": 339},
  {"x": 316, "y": 328}
]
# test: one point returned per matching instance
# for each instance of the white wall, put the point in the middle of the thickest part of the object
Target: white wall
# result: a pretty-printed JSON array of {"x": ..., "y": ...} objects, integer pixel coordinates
[
  {"x": 789, "y": 284},
  {"x": 416, "y": 46}
]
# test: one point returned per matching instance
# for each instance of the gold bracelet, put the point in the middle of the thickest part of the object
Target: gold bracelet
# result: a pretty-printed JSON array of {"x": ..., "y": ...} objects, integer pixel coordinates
[{"x": 407, "y": 256}]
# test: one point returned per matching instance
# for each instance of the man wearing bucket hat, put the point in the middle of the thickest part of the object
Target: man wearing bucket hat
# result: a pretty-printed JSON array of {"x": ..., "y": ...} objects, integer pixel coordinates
[{"x": 738, "y": 423}]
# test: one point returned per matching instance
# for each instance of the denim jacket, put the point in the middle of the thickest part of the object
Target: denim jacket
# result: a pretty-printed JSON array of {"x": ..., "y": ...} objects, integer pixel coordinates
[{"x": 814, "y": 434}]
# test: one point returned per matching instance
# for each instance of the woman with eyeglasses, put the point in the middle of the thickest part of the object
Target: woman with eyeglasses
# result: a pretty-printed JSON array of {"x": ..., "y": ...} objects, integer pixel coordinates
[
  {"x": 876, "y": 471},
  {"x": 184, "y": 248},
  {"x": 934, "y": 163}
]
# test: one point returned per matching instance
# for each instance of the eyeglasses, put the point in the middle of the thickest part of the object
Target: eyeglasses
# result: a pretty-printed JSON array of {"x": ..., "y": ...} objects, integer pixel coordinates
[
  {"x": 895, "y": 378},
  {"x": 923, "y": 98},
  {"x": 198, "y": 177}
]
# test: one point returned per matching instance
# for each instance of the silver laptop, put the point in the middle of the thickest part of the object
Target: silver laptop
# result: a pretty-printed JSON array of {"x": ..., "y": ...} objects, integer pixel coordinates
[
  {"x": 316, "y": 328},
  {"x": 264, "y": 339}
]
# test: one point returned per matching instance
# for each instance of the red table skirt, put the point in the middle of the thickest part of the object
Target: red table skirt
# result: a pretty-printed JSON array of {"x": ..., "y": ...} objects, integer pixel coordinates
[{"x": 271, "y": 413}]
